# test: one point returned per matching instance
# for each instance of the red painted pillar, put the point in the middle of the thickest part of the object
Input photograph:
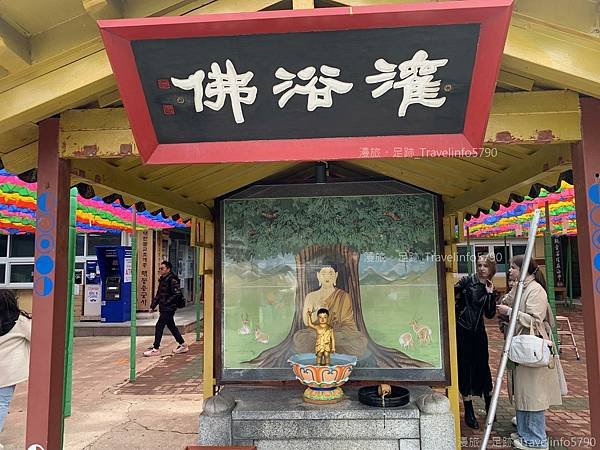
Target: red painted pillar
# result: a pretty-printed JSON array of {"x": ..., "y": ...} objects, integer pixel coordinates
[
  {"x": 46, "y": 369},
  {"x": 586, "y": 173}
]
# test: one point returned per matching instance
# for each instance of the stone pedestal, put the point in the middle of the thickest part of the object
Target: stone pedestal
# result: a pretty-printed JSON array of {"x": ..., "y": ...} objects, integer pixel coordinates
[{"x": 275, "y": 419}]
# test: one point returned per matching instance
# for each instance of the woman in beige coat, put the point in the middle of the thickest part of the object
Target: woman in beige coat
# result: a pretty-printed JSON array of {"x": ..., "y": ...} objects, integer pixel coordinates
[
  {"x": 535, "y": 389},
  {"x": 15, "y": 335}
]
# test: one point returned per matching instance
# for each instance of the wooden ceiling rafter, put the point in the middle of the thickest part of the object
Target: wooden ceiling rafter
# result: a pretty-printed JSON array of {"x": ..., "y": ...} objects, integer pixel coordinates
[
  {"x": 550, "y": 159},
  {"x": 239, "y": 180},
  {"x": 101, "y": 173},
  {"x": 516, "y": 152},
  {"x": 396, "y": 171},
  {"x": 233, "y": 177},
  {"x": 214, "y": 178},
  {"x": 497, "y": 155},
  {"x": 428, "y": 167},
  {"x": 444, "y": 168},
  {"x": 468, "y": 167},
  {"x": 126, "y": 163},
  {"x": 179, "y": 181}
]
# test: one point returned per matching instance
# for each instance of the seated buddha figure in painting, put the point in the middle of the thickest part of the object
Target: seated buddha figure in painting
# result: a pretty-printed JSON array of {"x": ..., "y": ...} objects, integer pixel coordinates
[{"x": 340, "y": 316}]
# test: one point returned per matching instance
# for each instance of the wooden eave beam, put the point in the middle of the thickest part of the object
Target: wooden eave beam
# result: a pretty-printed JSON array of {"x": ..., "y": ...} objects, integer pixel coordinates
[
  {"x": 21, "y": 159},
  {"x": 540, "y": 117},
  {"x": 15, "y": 51},
  {"x": 509, "y": 80},
  {"x": 516, "y": 118},
  {"x": 18, "y": 137},
  {"x": 109, "y": 99},
  {"x": 96, "y": 133},
  {"x": 49, "y": 94},
  {"x": 526, "y": 172},
  {"x": 576, "y": 15},
  {"x": 103, "y": 9},
  {"x": 545, "y": 53},
  {"x": 102, "y": 173}
]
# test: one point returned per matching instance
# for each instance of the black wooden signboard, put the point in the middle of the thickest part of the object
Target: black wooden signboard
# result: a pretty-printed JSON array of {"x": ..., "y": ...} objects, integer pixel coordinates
[{"x": 413, "y": 80}]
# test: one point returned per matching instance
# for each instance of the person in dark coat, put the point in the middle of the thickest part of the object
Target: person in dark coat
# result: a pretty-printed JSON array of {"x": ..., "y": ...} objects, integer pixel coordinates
[
  {"x": 166, "y": 298},
  {"x": 475, "y": 299}
]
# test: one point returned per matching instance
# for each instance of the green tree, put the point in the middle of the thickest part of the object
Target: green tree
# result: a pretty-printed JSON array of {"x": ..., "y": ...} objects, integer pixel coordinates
[{"x": 337, "y": 229}]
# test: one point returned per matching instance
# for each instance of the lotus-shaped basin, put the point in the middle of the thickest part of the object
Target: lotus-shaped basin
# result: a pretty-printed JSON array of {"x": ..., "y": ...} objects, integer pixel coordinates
[{"x": 323, "y": 381}]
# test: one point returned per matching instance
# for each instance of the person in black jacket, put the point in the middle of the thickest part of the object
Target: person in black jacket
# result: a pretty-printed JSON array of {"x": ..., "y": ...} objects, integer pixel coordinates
[
  {"x": 475, "y": 298},
  {"x": 166, "y": 297}
]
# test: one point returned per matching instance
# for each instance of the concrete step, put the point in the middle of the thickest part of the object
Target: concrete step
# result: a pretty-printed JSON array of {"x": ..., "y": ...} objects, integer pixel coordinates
[{"x": 185, "y": 319}]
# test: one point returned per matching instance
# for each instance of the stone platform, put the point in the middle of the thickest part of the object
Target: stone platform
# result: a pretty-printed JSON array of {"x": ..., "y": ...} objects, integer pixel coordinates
[{"x": 275, "y": 419}]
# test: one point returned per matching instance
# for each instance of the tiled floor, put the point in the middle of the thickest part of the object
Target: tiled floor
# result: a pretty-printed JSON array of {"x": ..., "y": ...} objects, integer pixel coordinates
[{"x": 172, "y": 375}]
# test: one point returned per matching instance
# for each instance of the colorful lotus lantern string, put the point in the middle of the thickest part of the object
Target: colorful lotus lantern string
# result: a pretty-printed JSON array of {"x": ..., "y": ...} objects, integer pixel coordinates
[
  {"x": 18, "y": 207},
  {"x": 514, "y": 220}
]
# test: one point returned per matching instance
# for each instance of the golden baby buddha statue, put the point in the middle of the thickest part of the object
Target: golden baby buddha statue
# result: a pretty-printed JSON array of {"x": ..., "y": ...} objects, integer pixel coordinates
[{"x": 325, "y": 344}]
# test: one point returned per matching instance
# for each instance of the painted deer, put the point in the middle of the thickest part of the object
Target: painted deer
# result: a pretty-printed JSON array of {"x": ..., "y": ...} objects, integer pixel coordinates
[
  {"x": 423, "y": 332},
  {"x": 245, "y": 328},
  {"x": 406, "y": 340}
]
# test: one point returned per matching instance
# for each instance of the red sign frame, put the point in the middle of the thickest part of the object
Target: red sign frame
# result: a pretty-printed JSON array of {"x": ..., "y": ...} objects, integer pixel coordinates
[{"x": 492, "y": 15}]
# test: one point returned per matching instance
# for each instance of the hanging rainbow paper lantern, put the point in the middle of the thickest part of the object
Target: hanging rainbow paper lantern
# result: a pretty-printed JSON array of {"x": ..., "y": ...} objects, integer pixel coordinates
[
  {"x": 510, "y": 221},
  {"x": 18, "y": 205}
]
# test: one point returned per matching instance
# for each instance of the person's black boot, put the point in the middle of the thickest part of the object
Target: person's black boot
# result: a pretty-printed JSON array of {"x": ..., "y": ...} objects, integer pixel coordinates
[
  {"x": 488, "y": 400},
  {"x": 470, "y": 418}
]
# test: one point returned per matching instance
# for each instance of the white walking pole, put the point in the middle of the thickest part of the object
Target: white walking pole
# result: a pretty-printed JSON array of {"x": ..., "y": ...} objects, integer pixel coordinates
[{"x": 511, "y": 329}]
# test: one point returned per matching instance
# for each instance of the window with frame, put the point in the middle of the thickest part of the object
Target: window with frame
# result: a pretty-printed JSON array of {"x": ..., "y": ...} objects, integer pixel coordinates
[
  {"x": 501, "y": 253},
  {"x": 100, "y": 239},
  {"x": 21, "y": 273},
  {"x": 22, "y": 245},
  {"x": 17, "y": 251},
  {"x": 3, "y": 245},
  {"x": 518, "y": 250},
  {"x": 464, "y": 258}
]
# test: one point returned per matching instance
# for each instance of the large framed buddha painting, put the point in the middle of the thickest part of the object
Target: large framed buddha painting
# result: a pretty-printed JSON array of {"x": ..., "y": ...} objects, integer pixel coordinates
[{"x": 368, "y": 252}]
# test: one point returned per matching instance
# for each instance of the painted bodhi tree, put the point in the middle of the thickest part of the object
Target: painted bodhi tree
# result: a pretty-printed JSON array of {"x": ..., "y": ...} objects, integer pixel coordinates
[{"x": 331, "y": 231}]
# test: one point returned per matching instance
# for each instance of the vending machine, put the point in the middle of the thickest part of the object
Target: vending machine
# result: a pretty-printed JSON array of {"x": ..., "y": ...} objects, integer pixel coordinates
[
  {"x": 115, "y": 274},
  {"x": 92, "y": 294}
]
